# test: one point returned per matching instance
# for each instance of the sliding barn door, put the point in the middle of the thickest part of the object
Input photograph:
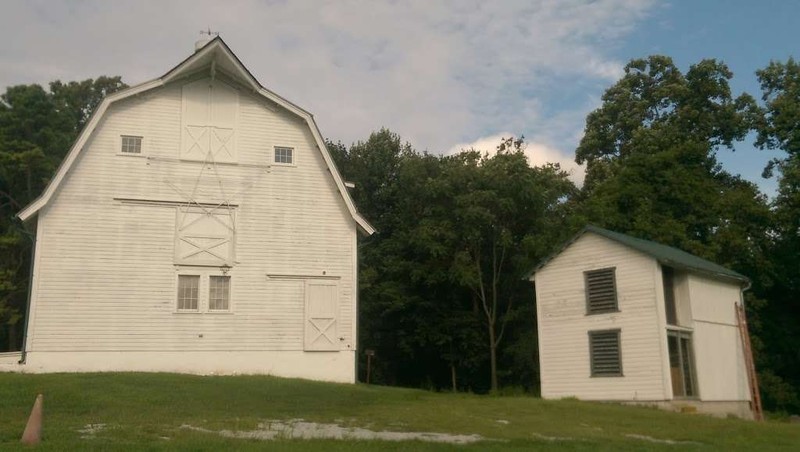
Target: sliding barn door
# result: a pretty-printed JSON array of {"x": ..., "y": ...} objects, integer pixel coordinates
[{"x": 322, "y": 306}]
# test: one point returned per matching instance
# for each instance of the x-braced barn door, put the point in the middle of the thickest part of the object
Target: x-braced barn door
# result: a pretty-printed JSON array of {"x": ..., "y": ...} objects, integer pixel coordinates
[
  {"x": 209, "y": 121},
  {"x": 322, "y": 305},
  {"x": 205, "y": 235}
]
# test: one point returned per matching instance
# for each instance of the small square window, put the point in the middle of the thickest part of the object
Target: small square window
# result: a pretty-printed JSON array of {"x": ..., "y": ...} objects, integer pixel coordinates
[
  {"x": 284, "y": 155},
  {"x": 131, "y": 144},
  {"x": 188, "y": 291},
  {"x": 219, "y": 293}
]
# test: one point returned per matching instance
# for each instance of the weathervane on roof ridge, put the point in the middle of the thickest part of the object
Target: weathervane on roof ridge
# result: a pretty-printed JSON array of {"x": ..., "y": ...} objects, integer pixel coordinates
[
  {"x": 205, "y": 37},
  {"x": 209, "y": 33}
]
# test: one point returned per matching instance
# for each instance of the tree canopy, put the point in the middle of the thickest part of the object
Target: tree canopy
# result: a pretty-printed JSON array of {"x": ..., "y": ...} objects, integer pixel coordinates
[{"x": 37, "y": 128}]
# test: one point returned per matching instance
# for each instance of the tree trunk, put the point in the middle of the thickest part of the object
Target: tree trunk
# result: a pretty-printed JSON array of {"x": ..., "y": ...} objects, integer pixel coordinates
[
  {"x": 493, "y": 356},
  {"x": 453, "y": 376}
]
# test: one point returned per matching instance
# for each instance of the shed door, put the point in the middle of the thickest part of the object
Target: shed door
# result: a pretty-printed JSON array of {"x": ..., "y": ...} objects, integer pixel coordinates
[{"x": 322, "y": 300}]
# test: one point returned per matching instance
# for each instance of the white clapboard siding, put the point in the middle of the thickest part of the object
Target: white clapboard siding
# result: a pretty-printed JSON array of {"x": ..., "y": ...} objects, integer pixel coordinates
[
  {"x": 564, "y": 324},
  {"x": 106, "y": 279},
  {"x": 719, "y": 359}
]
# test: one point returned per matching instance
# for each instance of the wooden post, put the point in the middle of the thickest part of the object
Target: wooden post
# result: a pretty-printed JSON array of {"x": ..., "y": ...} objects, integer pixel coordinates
[{"x": 370, "y": 353}]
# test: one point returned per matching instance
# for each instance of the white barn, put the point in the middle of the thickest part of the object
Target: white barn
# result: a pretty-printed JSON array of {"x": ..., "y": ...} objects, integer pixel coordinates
[
  {"x": 197, "y": 225},
  {"x": 629, "y": 320}
]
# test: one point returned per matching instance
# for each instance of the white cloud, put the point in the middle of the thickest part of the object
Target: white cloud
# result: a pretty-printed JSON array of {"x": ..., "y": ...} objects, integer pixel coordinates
[
  {"x": 437, "y": 73},
  {"x": 538, "y": 154}
]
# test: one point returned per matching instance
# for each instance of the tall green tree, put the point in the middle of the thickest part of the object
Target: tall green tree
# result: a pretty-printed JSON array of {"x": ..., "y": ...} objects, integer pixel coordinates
[
  {"x": 652, "y": 171},
  {"x": 779, "y": 129},
  {"x": 503, "y": 204},
  {"x": 441, "y": 280},
  {"x": 650, "y": 151},
  {"x": 37, "y": 128}
]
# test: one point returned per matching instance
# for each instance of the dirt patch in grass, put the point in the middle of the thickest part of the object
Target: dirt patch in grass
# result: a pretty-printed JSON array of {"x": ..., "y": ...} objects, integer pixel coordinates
[
  {"x": 657, "y": 440},
  {"x": 300, "y": 429}
]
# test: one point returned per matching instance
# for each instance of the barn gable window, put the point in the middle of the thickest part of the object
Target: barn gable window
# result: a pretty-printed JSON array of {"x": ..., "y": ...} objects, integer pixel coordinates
[
  {"x": 188, "y": 292},
  {"x": 131, "y": 144},
  {"x": 284, "y": 155},
  {"x": 605, "y": 354},
  {"x": 601, "y": 291}
]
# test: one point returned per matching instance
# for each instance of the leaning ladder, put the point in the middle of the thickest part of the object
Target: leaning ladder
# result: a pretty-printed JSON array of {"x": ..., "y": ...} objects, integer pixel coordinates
[{"x": 755, "y": 395}]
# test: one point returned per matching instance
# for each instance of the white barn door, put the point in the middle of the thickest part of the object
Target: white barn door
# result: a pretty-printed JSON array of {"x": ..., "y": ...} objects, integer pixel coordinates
[
  {"x": 209, "y": 121},
  {"x": 205, "y": 236},
  {"x": 322, "y": 305}
]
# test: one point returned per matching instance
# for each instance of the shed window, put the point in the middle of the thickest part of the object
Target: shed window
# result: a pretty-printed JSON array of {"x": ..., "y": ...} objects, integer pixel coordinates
[
  {"x": 219, "y": 293},
  {"x": 601, "y": 291},
  {"x": 605, "y": 354},
  {"x": 188, "y": 291},
  {"x": 681, "y": 363},
  {"x": 668, "y": 279},
  {"x": 131, "y": 144},
  {"x": 284, "y": 155}
]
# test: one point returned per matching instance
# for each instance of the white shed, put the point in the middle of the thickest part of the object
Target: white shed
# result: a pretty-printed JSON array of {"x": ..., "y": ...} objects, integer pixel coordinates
[
  {"x": 197, "y": 225},
  {"x": 629, "y": 320}
]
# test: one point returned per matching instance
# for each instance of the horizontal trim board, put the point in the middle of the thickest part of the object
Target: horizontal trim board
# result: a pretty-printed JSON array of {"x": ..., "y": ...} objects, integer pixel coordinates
[
  {"x": 294, "y": 276},
  {"x": 169, "y": 203}
]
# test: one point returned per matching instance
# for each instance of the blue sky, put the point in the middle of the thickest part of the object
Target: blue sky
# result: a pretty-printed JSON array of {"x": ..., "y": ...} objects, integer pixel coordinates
[
  {"x": 445, "y": 75},
  {"x": 746, "y": 35}
]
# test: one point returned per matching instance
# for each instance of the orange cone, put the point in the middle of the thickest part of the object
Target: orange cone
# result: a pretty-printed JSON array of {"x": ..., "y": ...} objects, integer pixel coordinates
[{"x": 33, "y": 430}]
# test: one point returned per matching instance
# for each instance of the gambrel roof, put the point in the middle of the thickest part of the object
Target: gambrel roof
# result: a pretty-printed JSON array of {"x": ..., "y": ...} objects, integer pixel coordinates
[
  {"x": 667, "y": 255},
  {"x": 218, "y": 53}
]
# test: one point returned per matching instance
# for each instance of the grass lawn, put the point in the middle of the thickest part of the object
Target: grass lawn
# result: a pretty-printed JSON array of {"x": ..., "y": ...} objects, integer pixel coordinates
[{"x": 147, "y": 412}]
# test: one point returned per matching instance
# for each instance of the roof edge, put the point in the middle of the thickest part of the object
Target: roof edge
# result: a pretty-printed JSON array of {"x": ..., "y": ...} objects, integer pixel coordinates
[
  {"x": 611, "y": 235},
  {"x": 32, "y": 208}
]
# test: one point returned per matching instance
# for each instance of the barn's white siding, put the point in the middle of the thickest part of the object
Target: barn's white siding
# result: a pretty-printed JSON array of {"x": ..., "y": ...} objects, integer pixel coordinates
[
  {"x": 719, "y": 360},
  {"x": 564, "y": 324},
  {"x": 105, "y": 279}
]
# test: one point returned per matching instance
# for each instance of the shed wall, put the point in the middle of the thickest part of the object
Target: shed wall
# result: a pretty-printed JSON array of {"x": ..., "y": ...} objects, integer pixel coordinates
[
  {"x": 564, "y": 324},
  {"x": 719, "y": 359}
]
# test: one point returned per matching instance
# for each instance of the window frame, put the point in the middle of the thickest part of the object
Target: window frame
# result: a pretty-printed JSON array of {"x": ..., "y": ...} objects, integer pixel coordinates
[
  {"x": 680, "y": 334},
  {"x": 204, "y": 290},
  {"x": 670, "y": 302},
  {"x": 229, "y": 294},
  {"x": 275, "y": 161},
  {"x": 586, "y": 276},
  {"x": 178, "y": 308},
  {"x": 592, "y": 372},
  {"x": 131, "y": 154}
]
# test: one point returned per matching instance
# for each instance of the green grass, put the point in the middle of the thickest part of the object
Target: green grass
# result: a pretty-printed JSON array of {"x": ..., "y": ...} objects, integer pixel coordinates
[{"x": 146, "y": 411}]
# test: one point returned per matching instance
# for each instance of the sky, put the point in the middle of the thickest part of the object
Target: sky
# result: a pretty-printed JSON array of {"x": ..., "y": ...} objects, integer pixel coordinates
[{"x": 444, "y": 75}]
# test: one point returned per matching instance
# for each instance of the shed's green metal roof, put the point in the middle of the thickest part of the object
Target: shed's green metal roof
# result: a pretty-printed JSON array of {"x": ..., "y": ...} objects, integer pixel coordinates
[{"x": 666, "y": 255}]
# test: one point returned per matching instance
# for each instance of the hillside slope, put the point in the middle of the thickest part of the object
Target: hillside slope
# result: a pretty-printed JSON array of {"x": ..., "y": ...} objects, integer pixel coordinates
[{"x": 177, "y": 412}]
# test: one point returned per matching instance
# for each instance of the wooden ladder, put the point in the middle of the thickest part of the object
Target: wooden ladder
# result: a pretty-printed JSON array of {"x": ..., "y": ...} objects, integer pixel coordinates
[{"x": 755, "y": 395}]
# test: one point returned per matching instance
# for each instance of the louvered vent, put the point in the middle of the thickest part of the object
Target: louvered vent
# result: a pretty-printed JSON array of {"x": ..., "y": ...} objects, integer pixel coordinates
[
  {"x": 601, "y": 291},
  {"x": 604, "y": 352}
]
